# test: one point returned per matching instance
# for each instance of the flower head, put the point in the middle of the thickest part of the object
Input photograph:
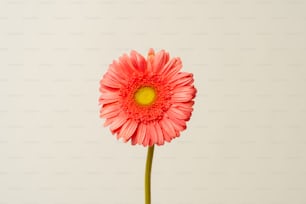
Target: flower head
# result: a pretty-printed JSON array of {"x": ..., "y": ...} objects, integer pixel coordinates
[{"x": 147, "y": 101}]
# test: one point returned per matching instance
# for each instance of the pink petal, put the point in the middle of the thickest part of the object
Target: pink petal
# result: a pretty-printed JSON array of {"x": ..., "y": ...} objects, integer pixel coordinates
[
  {"x": 181, "y": 79},
  {"x": 185, "y": 89},
  {"x": 108, "y": 97},
  {"x": 178, "y": 124},
  {"x": 110, "y": 81},
  {"x": 105, "y": 89},
  {"x": 141, "y": 133},
  {"x": 166, "y": 136},
  {"x": 120, "y": 70},
  {"x": 138, "y": 61},
  {"x": 181, "y": 97},
  {"x": 134, "y": 140},
  {"x": 150, "y": 59},
  {"x": 149, "y": 70},
  {"x": 172, "y": 68},
  {"x": 151, "y": 142},
  {"x": 151, "y": 52},
  {"x": 146, "y": 138},
  {"x": 107, "y": 101},
  {"x": 187, "y": 106},
  {"x": 160, "y": 59},
  {"x": 115, "y": 72},
  {"x": 179, "y": 114},
  {"x": 127, "y": 65},
  {"x": 159, "y": 133},
  {"x": 184, "y": 94},
  {"x": 109, "y": 111},
  {"x": 118, "y": 122},
  {"x": 151, "y": 130},
  {"x": 128, "y": 129},
  {"x": 109, "y": 121},
  {"x": 167, "y": 128}
]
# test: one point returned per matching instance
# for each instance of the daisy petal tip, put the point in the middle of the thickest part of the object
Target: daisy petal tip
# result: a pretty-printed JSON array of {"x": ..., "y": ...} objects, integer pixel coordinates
[{"x": 151, "y": 51}]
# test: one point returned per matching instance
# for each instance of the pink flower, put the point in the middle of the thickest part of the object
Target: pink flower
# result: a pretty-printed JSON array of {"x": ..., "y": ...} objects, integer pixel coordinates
[{"x": 147, "y": 101}]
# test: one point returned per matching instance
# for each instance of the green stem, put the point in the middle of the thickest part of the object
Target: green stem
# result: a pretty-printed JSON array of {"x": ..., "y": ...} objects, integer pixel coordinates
[{"x": 148, "y": 175}]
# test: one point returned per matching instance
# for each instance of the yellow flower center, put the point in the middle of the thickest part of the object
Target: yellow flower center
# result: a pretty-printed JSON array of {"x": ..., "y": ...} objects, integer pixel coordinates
[{"x": 145, "y": 95}]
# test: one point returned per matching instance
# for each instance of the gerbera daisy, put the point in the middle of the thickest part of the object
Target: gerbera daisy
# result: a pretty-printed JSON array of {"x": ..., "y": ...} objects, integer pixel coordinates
[{"x": 146, "y": 101}]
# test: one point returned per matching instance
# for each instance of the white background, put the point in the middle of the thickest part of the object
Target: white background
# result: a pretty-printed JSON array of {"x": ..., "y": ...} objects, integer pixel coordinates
[{"x": 245, "y": 143}]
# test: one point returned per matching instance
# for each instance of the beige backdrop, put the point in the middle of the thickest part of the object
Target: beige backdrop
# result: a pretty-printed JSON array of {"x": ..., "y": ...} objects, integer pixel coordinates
[{"x": 245, "y": 143}]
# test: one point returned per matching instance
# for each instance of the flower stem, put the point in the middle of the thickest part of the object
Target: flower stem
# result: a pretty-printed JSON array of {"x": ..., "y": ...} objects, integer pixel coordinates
[{"x": 148, "y": 175}]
